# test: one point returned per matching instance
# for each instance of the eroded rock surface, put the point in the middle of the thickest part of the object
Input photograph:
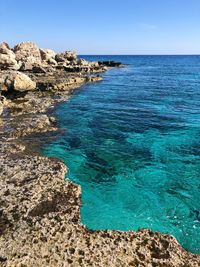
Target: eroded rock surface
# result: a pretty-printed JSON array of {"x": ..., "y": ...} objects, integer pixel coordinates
[{"x": 40, "y": 223}]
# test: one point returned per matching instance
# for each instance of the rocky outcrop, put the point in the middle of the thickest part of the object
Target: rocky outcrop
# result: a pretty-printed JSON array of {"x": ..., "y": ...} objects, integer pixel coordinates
[
  {"x": 67, "y": 55},
  {"x": 47, "y": 54},
  {"x": 27, "y": 52},
  {"x": 27, "y": 56}
]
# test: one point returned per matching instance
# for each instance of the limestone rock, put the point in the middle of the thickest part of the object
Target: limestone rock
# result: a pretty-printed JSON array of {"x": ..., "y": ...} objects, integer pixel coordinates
[
  {"x": 83, "y": 62},
  {"x": 4, "y": 49},
  {"x": 23, "y": 83},
  {"x": 26, "y": 66},
  {"x": 47, "y": 54},
  {"x": 7, "y": 58},
  {"x": 7, "y": 62},
  {"x": 67, "y": 55},
  {"x": 27, "y": 52},
  {"x": 4, "y": 45},
  {"x": 17, "y": 81}
]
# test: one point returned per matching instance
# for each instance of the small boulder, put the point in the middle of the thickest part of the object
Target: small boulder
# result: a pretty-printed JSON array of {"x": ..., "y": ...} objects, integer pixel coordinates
[
  {"x": 23, "y": 83},
  {"x": 14, "y": 80},
  {"x": 7, "y": 58}
]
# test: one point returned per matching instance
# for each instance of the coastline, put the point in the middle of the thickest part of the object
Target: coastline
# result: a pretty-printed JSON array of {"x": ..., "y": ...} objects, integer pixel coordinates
[{"x": 40, "y": 219}]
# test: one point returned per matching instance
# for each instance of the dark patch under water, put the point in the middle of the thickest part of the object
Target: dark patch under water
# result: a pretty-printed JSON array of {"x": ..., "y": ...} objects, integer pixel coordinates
[{"x": 132, "y": 142}]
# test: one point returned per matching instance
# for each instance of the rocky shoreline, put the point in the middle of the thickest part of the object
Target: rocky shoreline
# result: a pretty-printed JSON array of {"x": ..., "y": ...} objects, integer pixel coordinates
[{"x": 39, "y": 214}]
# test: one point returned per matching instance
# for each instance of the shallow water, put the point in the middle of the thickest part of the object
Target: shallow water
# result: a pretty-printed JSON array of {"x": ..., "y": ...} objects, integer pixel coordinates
[{"x": 132, "y": 142}]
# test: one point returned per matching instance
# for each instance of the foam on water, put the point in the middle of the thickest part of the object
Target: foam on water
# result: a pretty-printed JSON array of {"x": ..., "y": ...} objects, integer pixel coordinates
[{"x": 132, "y": 142}]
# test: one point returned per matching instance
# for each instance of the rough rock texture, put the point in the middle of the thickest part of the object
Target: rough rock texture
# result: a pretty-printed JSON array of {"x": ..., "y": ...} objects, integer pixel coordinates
[
  {"x": 23, "y": 83},
  {"x": 14, "y": 80},
  {"x": 7, "y": 58},
  {"x": 27, "y": 52},
  {"x": 27, "y": 56},
  {"x": 67, "y": 55},
  {"x": 40, "y": 223},
  {"x": 47, "y": 54}
]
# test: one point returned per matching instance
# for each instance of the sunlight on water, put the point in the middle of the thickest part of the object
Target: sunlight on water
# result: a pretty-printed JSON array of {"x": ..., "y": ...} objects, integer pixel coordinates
[{"x": 132, "y": 142}]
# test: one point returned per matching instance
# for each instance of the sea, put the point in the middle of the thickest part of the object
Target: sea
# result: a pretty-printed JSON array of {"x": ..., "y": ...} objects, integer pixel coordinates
[{"x": 132, "y": 142}]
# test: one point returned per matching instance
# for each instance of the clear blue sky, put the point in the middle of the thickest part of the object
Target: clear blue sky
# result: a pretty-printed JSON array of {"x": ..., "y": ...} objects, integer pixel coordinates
[{"x": 104, "y": 26}]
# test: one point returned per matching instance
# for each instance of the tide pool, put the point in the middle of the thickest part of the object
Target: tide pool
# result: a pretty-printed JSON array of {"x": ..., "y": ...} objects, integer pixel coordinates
[{"x": 132, "y": 142}]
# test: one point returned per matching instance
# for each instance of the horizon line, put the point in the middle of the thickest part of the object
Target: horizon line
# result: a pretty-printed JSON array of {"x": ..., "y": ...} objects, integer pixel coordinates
[{"x": 138, "y": 54}]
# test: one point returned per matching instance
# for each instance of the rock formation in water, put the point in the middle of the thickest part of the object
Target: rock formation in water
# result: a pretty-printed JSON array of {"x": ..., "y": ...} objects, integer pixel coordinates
[{"x": 43, "y": 67}]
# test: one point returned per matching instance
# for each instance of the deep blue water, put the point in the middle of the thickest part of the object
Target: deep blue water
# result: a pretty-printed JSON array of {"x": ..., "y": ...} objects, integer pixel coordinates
[{"x": 132, "y": 142}]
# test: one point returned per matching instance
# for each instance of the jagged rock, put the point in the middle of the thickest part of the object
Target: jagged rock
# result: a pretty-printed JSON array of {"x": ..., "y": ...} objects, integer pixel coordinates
[
  {"x": 4, "y": 45},
  {"x": 27, "y": 52},
  {"x": 47, "y": 54},
  {"x": 4, "y": 49},
  {"x": 7, "y": 58}
]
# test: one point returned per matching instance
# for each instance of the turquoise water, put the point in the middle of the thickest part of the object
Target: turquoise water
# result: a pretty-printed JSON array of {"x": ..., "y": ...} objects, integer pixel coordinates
[{"x": 132, "y": 142}]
